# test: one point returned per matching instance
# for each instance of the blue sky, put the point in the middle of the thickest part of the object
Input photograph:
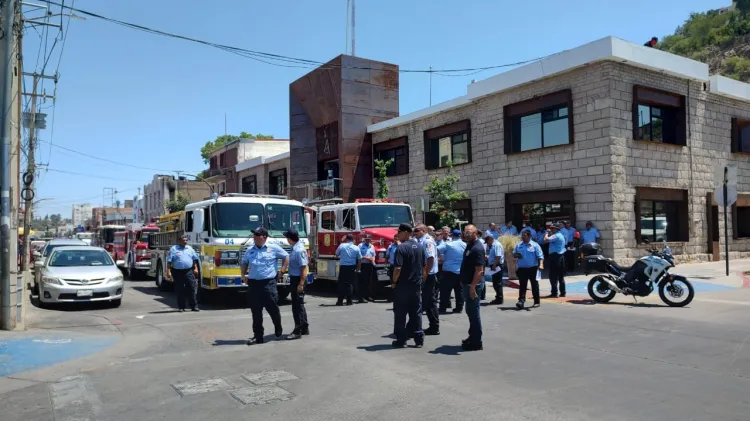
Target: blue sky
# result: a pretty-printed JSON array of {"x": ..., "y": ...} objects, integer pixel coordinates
[{"x": 153, "y": 101}]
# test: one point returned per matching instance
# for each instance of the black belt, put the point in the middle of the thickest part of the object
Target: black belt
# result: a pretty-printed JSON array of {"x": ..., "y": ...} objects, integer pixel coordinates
[
  {"x": 183, "y": 270},
  {"x": 266, "y": 279}
]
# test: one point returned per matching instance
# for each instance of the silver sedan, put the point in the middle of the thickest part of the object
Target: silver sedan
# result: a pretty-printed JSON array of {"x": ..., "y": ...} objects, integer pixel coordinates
[{"x": 80, "y": 274}]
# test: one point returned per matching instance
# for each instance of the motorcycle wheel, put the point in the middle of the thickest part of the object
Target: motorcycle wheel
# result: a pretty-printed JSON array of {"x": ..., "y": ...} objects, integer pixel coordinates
[
  {"x": 674, "y": 290},
  {"x": 600, "y": 291}
]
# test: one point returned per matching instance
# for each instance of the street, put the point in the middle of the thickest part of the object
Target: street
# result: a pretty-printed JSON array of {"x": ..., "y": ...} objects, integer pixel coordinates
[{"x": 567, "y": 360}]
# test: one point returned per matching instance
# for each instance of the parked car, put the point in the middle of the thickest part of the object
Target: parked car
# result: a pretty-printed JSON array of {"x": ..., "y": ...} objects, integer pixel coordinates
[
  {"x": 40, "y": 257},
  {"x": 80, "y": 274}
]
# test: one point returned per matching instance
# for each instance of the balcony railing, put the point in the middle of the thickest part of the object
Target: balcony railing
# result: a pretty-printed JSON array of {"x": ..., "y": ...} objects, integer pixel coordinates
[{"x": 316, "y": 191}]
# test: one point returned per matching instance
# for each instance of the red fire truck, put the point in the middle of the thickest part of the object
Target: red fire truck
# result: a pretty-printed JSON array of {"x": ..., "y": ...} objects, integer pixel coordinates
[
  {"x": 377, "y": 218},
  {"x": 131, "y": 249},
  {"x": 105, "y": 237}
]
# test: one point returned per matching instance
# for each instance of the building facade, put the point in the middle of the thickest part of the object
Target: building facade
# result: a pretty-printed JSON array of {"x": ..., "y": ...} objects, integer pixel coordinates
[
  {"x": 164, "y": 188},
  {"x": 81, "y": 213},
  {"x": 612, "y": 132},
  {"x": 264, "y": 175},
  {"x": 222, "y": 171}
]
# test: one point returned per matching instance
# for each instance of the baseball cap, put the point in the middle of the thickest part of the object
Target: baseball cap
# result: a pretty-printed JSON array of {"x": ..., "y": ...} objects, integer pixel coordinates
[
  {"x": 555, "y": 226},
  {"x": 456, "y": 233},
  {"x": 260, "y": 231},
  {"x": 405, "y": 228},
  {"x": 292, "y": 234}
]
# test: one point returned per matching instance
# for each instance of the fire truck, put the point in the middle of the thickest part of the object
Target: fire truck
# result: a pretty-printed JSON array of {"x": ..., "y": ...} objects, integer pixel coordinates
[
  {"x": 378, "y": 218},
  {"x": 131, "y": 249},
  {"x": 105, "y": 237}
]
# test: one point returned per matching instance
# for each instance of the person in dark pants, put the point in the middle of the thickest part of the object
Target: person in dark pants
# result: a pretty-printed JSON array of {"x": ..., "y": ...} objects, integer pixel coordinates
[
  {"x": 453, "y": 254},
  {"x": 429, "y": 275},
  {"x": 297, "y": 280},
  {"x": 530, "y": 260},
  {"x": 182, "y": 266},
  {"x": 261, "y": 280},
  {"x": 495, "y": 260},
  {"x": 390, "y": 253},
  {"x": 350, "y": 261},
  {"x": 570, "y": 233},
  {"x": 407, "y": 289},
  {"x": 472, "y": 275},
  {"x": 556, "y": 243},
  {"x": 366, "y": 270}
]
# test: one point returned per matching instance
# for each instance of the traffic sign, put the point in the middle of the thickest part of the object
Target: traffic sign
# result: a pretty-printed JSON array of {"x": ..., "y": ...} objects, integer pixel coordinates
[{"x": 726, "y": 173}]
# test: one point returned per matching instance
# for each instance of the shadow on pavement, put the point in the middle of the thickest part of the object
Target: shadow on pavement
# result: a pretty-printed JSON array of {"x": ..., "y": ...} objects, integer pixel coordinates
[
  {"x": 447, "y": 350},
  {"x": 375, "y": 348},
  {"x": 71, "y": 307},
  {"x": 224, "y": 342},
  {"x": 587, "y": 302},
  {"x": 213, "y": 300}
]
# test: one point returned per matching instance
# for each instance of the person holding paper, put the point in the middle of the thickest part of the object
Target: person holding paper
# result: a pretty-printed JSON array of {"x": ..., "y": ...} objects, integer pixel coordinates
[
  {"x": 530, "y": 260},
  {"x": 495, "y": 264}
]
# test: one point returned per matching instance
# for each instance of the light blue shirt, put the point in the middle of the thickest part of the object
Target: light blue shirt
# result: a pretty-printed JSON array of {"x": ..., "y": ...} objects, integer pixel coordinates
[
  {"x": 349, "y": 254},
  {"x": 297, "y": 259},
  {"x": 366, "y": 250},
  {"x": 590, "y": 236},
  {"x": 510, "y": 231},
  {"x": 391, "y": 253},
  {"x": 531, "y": 253},
  {"x": 262, "y": 261},
  {"x": 540, "y": 236},
  {"x": 493, "y": 233},
  {"x": 430, "y": 250},
  {"x": 495, "y": 251},
  {"x": 568, "y": 233},
  {"x": 453, "y": 255},
  {"x": 556, "y": 243},
  {"x": 182, "y": 258}
]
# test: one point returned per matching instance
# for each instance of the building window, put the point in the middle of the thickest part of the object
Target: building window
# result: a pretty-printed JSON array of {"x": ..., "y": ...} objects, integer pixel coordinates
[
  {"x": 658, "y": 116},
  {"x": 741, "y": 217},
  {"x": 740, "y": 136},
  {"x": 661, "y": 215},
  {"x": 396, "y": 149},
  {"x": 450, "y": 143},
  {"x": 539, "y": 123},
  {"x": 222, "y": 187},
  {"x": 277, "y": 182},
  {"x": 250, "y": 185},
  {"x": 222, "y": 160},
  {"x": 328, "y": 221}
]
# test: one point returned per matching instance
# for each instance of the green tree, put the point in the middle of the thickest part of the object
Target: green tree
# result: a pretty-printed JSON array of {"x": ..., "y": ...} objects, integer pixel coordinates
[
  {"x": 381, "y": 177},
  {"x": 444, "y": 195},
  {"x": 178, "y": 204},
  {"x": 220, "y": 141},
  {"x": 743, "y": 6}
]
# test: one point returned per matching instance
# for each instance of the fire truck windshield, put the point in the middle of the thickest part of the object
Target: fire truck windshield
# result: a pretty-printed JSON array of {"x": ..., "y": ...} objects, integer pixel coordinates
[
  {"x": 236, "y": 219},
  {"x": 373, "y": 216},
  {"x": 283, "y": 217}
]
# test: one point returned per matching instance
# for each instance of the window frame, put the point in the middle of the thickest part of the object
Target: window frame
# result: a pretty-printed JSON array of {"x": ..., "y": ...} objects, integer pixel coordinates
[
  {"x": 538, "y": 105},
  {"x": 392, "y": 145},
  {"x": 652, "y": 97},
  {"x": 332, "y": 219},
  {"x": 252, "y": 179},
  {"x": 654, "y": 194},
  {"x": 737, "y": 125},
  {"x": 273, "y": 177},
  {"x": 434, "y": 135},
  {"x": 743, "y": 201}
]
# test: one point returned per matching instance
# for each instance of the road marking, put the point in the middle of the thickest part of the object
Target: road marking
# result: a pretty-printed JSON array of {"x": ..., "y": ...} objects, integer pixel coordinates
[
  {"x": 140, "y": 317},
  {"x": 73, "y": 399},
  {"x": 713, "y": 300},
  {"x": 201, "y": 386},
  {"x": 53, "y": 341}
]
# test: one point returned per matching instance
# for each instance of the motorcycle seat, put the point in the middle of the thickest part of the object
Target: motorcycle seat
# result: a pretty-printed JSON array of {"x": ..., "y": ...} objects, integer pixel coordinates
[{"x": 623, "y": 269}]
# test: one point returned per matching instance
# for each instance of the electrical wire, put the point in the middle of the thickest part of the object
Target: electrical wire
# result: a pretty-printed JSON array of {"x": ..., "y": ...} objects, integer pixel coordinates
[
  {"x": 96, "y": 176},
  {"x": 278, "y": 58}
]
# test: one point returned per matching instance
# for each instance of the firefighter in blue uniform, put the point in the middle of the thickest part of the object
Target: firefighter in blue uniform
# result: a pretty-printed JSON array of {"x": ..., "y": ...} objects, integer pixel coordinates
[
  {"x": 429, "y": 279},
  {"x": 350, "y": 261},
  {"x": 297, "y": 281},
  {"x": 407, "y": 287},
  {"x": 182, "y": 267}
]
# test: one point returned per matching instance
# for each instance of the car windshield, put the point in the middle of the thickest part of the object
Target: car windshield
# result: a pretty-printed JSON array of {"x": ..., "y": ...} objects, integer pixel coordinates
[
  {"x": 236, "y": 220},
  {"x": 69, "y": 258},
  {"x": 373, "y": 216},
  {"x": 145, "y": 235},
  {"x": 284, "y": 217},
  {"x": 51, "y": 247}
]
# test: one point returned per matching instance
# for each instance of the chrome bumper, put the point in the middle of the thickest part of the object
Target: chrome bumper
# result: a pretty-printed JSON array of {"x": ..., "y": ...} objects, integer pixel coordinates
[{"x": 53, "y": 293}]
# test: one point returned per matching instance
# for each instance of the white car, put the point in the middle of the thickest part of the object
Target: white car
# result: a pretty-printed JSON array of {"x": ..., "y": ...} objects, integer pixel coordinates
[{"x": 80, "y": 274}]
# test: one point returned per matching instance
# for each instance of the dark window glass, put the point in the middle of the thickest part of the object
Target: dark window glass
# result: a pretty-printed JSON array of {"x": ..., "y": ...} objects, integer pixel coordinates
[
  {"x": 452, "y": 148},
  {"x": 657, "y": 124},
  {"x": 277, "y": 182},
  {"x": 660, "y": 221},
  {"x": 542, "y": 129},
  {"x": 328, "y": 221},
  {"x": 250, "y": 185},
  {"x": 400, "y": 163},
  {"x": 743, "y": 221},
  {"x": 745, "y": 138},
  {"x": 350, "y": 220}
]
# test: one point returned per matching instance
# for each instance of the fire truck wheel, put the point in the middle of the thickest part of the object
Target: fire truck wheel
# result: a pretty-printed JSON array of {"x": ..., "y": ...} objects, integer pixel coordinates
[{"x": 161, "y": 283}]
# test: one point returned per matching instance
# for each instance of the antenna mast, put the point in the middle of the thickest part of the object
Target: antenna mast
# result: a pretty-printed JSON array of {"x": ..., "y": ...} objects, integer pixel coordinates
[{"x": 354, "y": 26}]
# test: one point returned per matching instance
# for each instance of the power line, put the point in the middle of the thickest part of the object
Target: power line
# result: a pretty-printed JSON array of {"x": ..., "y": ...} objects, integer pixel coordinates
[
  {"x": 95, "y": 176},
  {"x": 280, "y": 59}
]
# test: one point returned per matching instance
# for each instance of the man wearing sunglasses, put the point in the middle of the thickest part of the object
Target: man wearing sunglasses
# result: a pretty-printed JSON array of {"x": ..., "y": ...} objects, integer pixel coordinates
[{"x": 260, "y": 260}]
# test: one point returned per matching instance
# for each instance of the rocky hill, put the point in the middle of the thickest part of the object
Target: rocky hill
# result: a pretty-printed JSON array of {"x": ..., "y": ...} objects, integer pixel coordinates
[{"x": 720, "y": 38}]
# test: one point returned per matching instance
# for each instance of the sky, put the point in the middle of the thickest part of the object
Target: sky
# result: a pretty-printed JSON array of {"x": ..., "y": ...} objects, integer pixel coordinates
[{"x": 150, "y": 101}]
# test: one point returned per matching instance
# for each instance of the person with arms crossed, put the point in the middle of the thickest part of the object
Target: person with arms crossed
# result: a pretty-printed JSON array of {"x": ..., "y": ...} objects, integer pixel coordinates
[
  {"x": 472, "y": 273},
  {"x": 530, "y": 260},
  {"x": 259, "y": 273}
]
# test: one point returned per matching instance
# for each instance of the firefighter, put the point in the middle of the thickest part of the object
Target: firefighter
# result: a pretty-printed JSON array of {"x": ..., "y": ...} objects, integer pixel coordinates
[
  {"x": 349, "y": 266},
  {"x": 367, "y": 269},
  {"x": 407, "y": 292},
  {"x": 182, "y": 266}
]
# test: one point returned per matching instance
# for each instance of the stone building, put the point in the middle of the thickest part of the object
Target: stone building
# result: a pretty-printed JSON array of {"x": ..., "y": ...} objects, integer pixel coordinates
[
  {"x": 264, "y": 174},
  {"x": 166, "y": 187},
  {"x": 625, "y": 136}
]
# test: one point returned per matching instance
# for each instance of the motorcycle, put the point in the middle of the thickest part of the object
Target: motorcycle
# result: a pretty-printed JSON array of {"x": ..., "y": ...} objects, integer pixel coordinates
[{"x": 640, "y": 279}]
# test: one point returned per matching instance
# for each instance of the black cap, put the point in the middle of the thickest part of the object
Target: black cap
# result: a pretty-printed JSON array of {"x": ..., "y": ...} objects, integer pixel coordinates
[
  {"x": 261, "y": 231},
  {"x": 405, "y": 228},
  {"x": 292, "y": 234}
]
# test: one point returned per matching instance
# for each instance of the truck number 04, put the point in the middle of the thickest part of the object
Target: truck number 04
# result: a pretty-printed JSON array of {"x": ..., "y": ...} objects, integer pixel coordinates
[{"x": 229, "y": 241}]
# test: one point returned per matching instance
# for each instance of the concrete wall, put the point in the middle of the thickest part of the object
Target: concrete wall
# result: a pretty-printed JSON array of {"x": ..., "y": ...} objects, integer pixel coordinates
[
  {"x": 261, "y": 174},
  {"x": 603, "y": 166}
]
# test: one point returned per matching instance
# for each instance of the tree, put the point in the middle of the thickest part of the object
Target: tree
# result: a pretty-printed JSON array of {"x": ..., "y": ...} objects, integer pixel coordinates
[
  {"x": 444, "y": 195},
  {"x": 381, "y": 177},
  {"x": 743, "y": 6},
  {"x": 178, "y": 204},
  {"x": 220, "y": 141}
]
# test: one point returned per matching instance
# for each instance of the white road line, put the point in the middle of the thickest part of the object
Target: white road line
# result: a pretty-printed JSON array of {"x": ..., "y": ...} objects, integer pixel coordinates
[
  {"x": 73, "y": 399},
  {"x": 712, "y": 300}
]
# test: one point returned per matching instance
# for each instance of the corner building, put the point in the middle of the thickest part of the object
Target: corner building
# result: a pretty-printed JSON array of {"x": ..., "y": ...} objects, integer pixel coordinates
[{"x": 625, "y": 136}]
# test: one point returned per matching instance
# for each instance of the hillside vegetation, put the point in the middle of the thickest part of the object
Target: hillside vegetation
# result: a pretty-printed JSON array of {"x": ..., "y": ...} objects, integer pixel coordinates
[{"x": 721, "y": 39}]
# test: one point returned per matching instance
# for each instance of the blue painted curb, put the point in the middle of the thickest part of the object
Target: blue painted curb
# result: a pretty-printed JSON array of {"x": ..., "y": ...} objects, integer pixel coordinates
[{"x": 33, "y": 352}]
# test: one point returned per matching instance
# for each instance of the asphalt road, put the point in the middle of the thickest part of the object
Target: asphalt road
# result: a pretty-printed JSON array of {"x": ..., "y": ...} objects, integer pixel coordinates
[{"x": 567, "y": 360}]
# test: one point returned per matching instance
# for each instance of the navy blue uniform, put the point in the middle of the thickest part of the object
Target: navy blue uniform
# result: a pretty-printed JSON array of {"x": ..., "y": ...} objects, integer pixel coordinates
[
  {"x": 408, "y": 292},
  {"x": 474, "y": 257}
]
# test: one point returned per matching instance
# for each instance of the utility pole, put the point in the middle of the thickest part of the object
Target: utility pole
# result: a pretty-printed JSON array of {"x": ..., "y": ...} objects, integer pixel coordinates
[
  {"x": 29, "y": 176},
  {"x": 9, "y": 39},
  {"x": 354, "y": 27}
]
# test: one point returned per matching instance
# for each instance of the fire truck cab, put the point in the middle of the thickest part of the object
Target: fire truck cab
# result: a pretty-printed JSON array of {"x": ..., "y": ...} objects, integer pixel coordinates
[
  {"x": 378, "y": 218},
  {"x": 132, "y": 254}
]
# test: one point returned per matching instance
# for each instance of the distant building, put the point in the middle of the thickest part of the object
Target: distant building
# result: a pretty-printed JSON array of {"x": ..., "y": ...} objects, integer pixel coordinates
[
  {"x": 166, "y": 187},
  {"x": 81, "y": 213},
  {"x": 222, "y": 171},
  {"x": 264, "y": 175},
  {"x": 139, "y": 214}
]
